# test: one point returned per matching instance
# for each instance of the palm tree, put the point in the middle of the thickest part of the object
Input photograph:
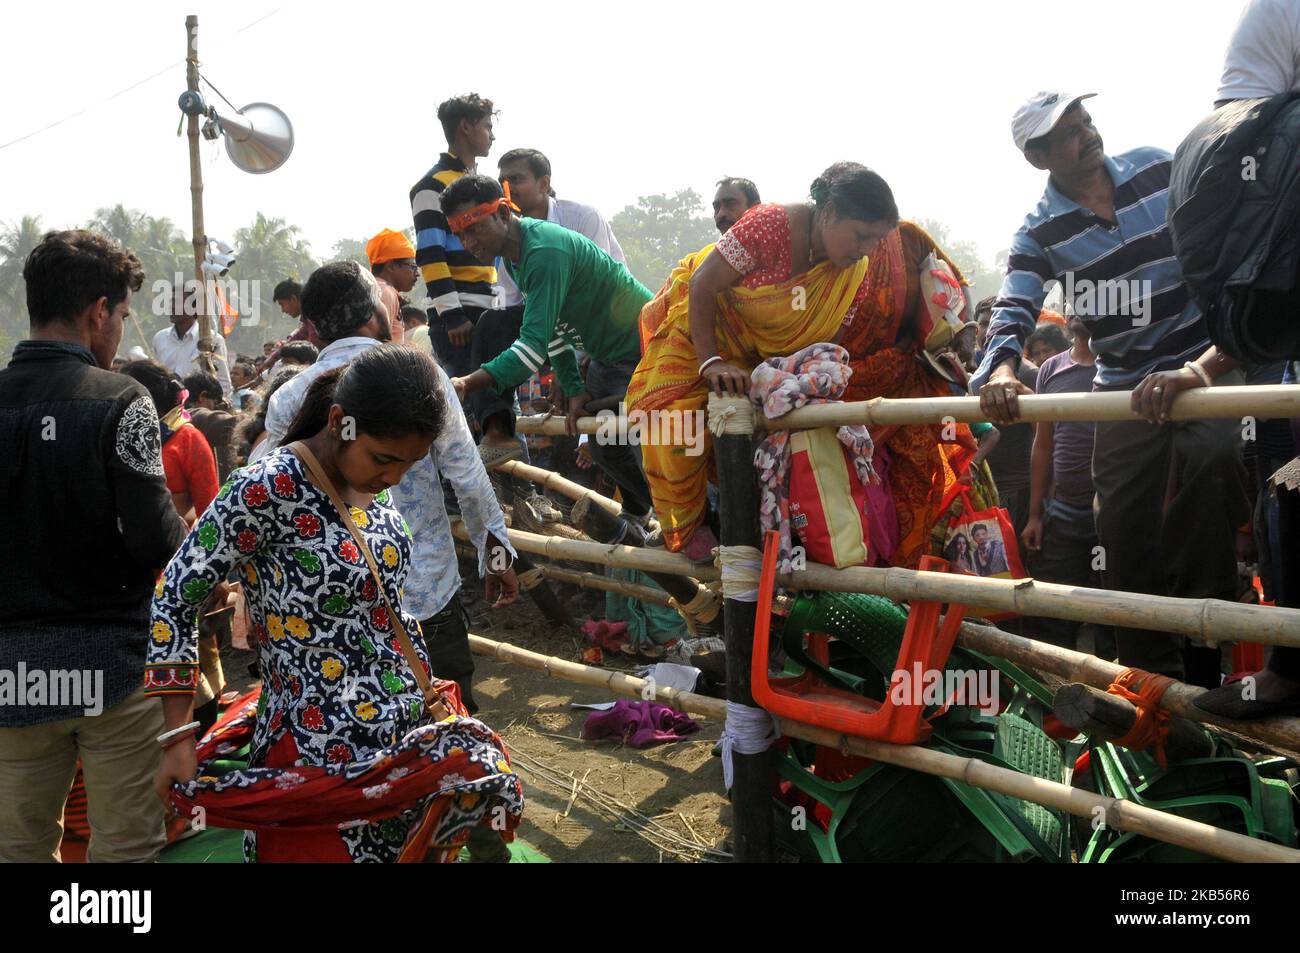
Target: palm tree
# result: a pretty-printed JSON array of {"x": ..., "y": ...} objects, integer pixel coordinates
[
  {"x": 268, "y": 251},
  {"x": 162, "y": 249},
  {"x": 119, "y": 223},
  {"x": 17, "y": 239}
]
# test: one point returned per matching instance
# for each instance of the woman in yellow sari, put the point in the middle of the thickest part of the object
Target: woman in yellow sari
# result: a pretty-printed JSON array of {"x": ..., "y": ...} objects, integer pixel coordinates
[{"x": 783, "y": 277}]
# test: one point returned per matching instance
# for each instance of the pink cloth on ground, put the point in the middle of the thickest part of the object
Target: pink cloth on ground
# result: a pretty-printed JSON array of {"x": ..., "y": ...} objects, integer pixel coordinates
[{"x": 639, "y": 724}]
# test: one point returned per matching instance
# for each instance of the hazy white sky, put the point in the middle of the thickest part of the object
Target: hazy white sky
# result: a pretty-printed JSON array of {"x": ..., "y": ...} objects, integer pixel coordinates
[{"x": 625, "y": 98}]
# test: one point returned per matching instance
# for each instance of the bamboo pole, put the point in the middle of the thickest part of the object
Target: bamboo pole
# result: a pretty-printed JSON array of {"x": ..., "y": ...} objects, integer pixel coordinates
[
  {"x": 1200, "y": 403},
  {"x": 144, "y": 341},
  {"x": 553, "y": 481},
  {"x": 1106, "y": 717},
  {"x": 206, "y": 362},
  {"x": 1119, "y": 813},
  {"x": 1256, "y": 400},
  {"x": 1213, "y": 619},
  {"x": 1099, "y": 673},
  {"x": 622, "y": 557},
  {"x": 590, "y": 580},
  {"x": 753, "y": 775},
  {"x": 619, "y": 683},
  {"x": 605, "y": 527}
]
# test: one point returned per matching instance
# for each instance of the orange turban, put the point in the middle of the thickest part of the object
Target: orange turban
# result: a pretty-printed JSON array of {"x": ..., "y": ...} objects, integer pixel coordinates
[
  {"x": 1048, "y": 316},
  {"x": 388, "y": 245}
]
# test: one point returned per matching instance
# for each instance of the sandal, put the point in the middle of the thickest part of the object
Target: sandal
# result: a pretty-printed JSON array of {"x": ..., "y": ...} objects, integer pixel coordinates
[{"x": 493, "y": 456}]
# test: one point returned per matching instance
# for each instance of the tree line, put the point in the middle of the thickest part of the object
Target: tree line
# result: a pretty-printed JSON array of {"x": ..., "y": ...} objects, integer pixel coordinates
[{"x": 655, "y": 233}]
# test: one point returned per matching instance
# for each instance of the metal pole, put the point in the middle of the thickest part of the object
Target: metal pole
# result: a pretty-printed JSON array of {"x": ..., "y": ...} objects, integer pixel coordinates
[{"x": 206, "y": 362}]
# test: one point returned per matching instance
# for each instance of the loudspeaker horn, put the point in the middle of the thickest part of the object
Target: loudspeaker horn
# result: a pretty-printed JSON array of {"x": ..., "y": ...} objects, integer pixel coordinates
[{"x": 259, "y": 138}]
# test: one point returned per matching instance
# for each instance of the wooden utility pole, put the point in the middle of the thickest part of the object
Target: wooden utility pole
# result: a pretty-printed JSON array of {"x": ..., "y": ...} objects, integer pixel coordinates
[{"x": 206, "y": 362}]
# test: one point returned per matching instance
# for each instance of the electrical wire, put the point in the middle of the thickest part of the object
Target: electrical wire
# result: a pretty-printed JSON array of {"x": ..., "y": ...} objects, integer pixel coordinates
[
  {"x": 122, "y": 92},
  {"x": 218, "y": 92}
]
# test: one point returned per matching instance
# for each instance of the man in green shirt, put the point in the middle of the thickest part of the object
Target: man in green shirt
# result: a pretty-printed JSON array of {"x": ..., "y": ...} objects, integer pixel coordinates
[{"x": 576, "y": 298}]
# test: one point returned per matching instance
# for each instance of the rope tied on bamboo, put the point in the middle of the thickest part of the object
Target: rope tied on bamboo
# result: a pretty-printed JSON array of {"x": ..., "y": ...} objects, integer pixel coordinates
[
  {"x": 701, "y": 610},
  {"x": 530, "y": 579},
  {"x": 1144, "y": 689},
  {"x": 730, "y": 415},
  {"x": 748, "y": 730},
  {"x": 740, "y": 571}
]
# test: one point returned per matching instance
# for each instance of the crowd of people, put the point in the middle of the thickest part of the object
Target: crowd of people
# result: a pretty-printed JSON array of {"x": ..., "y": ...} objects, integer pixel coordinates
[{"x": 309, "y": 487}]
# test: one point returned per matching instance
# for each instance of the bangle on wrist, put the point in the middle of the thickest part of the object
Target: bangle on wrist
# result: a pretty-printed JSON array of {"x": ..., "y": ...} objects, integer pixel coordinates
[
  {"x": 1202, "y": 373},
  {"x": 711, "y": 361},
  {"x": 173, "y": 742},
  {"x": 167, "y": 738}
]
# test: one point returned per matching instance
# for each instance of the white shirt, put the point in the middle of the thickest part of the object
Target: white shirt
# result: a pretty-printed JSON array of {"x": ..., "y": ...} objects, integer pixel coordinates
[
  {"x": 576, "y": 217},
  {"x": 284, "y": 403},
  {"x": 1263, "y": 56},
  {"x": 180, "y": 355},
  {"x": 434, "y": 577}
]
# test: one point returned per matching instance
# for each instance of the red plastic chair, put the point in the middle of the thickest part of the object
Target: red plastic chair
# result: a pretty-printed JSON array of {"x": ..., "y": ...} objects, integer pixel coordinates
[{"x": 808, "y": 699}]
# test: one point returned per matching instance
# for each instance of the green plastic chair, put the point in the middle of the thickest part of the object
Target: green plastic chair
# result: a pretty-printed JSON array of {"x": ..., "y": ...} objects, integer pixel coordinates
[{"x": 1225, "y": 792}]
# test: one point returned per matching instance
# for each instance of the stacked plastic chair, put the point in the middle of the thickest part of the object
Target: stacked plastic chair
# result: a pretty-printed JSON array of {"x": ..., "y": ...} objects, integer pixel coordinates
[
  {"x": 842, "y": 651},
  {"x": 1231, "y": 792}
]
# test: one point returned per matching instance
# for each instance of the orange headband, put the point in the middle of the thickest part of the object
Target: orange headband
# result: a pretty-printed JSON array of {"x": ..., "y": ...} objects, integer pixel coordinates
[{"x": 472, "y": 216}]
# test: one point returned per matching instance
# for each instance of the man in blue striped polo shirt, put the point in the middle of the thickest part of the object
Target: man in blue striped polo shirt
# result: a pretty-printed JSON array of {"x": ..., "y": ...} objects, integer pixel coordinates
[{"x": 1100, "y": 230}]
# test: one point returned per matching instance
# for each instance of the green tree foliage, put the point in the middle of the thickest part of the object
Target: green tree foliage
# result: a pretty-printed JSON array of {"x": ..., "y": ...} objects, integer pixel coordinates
[
  {"x": 351, "y": 249},
  {"x": 354, "y": 249},
  {"x": 660, "y": 230},
  {"x": 985, "y": 278},
  {"x": 17, "y": 239},
  {"x": 268, "y": 251},
  {"x": 163, "y": 251}
]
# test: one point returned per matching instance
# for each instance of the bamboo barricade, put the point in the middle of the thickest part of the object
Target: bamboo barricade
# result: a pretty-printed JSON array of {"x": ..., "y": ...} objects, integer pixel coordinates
[
  {"x": 590, "y": 580},
  {"x": 1119, "y": 814},
  {"x": 620, "y": 557},
  {"x": 1283, "y": 733},
  {"x": 600, "y": 519},
  {"x": 694, "y": 603},
  {"x": 1213, "y": 619},
  {"x": 1261, "y": 401},
  {"x": 1088, "y": 669},
  {"x": 553, "y": 481}
]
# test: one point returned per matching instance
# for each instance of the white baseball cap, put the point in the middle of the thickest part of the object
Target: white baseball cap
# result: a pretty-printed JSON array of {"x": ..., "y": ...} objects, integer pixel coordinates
[{"x": 1040, "y": 114}]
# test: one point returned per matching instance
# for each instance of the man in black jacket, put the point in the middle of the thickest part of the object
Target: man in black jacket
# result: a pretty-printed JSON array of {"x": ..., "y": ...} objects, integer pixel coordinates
[{"x": 90, "y": 525}]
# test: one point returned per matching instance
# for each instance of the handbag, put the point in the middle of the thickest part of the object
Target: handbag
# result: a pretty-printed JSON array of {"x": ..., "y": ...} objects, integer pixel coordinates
[
  {"x": 981, "y": 543},
  {"x": 828, "y": 505},
  {"x": 942, "y": 318},
  {"x": 434, "y": 693}
]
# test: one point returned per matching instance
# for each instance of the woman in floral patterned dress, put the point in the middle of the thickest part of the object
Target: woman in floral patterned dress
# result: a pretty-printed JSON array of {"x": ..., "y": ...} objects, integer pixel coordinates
[{"x": 337, "y": 689}]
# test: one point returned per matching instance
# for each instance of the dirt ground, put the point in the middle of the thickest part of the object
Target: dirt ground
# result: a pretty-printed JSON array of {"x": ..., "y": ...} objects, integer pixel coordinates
[
  {"x": 677, "y": 785},
  {"x": 587, "y": 801}
]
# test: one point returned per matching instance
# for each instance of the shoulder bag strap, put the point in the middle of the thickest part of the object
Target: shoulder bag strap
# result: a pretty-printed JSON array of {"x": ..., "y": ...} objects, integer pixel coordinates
[{"x": 403, "y": 640}]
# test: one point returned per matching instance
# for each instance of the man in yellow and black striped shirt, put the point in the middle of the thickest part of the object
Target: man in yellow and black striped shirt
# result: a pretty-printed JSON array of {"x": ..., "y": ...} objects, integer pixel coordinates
[{"x": 459, "y": 286}]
